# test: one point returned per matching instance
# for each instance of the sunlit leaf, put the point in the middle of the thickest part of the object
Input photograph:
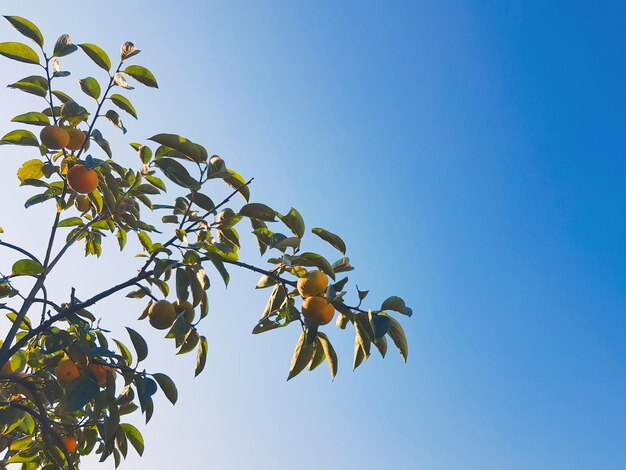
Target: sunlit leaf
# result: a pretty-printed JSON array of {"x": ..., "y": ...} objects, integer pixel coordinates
[
  {"x": 140, "y": 345},
  {"x": 168, "y": 386},
  {"x": 30, "y": 170},
  {"x": 331, "y": 238},
  {"x": 329, "y": 351},
  {"x": 34, "y": 118},
  {"x": 301, "y": 357},
  {"x": 177, "y": 173},
  {"x": 20, "y": 137},
  {"x": 96, "y": 54},
  {"x": 27, "y": 28},
  {"x": 18, "y": 51},
  {"x": 396, "y": 304},
  {"x": 142, "y": 75},
  {"x": 134, "y": 437},
  {"x": 202, "y": 353},
  {"x": 90, "y": 86},
  {"x": 256, "y": 210},
  {"x": 294, "y": 221},
  {"x": 194, "y": 152},
  {"x": 396, "y": 332},
  {"x": 123, "y": 103},
  {"x": 26, "y": 267}
]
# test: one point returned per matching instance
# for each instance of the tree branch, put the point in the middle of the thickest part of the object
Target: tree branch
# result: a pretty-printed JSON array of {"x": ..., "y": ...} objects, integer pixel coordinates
[
  {"x": 21, "y": 250},
  {"x": 71, "y": 241}
]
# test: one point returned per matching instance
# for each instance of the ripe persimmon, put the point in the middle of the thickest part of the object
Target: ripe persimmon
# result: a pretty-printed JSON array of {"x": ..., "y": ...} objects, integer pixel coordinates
[
  {"x": 54, "y": 137},
  {"x": 161, "y": 314},
  {"x": 317, "y": 311},
  {"x": 66, "y": 371},
  {"x": 82, "y": 179},
  {"x": 70, "y": 444},
  {"x": 99, "y": 373},
  {"x": 6, "y": 368},
  {"x": 313, "y": 285},
  {"x": 77, "y": 139},
  {"x": 83, "y": 203}
]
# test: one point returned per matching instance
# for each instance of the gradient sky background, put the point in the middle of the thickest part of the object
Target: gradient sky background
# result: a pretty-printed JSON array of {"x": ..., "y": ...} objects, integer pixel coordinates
[{"x": 472, "y": 155}]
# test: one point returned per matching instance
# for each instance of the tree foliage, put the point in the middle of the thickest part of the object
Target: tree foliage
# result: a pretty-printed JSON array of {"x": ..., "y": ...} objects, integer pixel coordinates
[{"x": 66, "y": 385}]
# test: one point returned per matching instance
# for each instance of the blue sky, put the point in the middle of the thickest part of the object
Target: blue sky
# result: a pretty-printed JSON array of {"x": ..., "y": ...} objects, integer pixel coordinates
[{"x": 472, "y": 156}]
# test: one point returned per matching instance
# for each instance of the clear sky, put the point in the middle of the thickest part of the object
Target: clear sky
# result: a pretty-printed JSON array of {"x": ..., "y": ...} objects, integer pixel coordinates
[{"x": 472, "y": 156}]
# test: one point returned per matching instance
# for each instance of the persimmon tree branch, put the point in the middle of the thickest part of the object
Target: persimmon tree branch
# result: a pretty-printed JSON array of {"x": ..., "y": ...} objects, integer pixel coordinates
[
  {"x": 99, "y": 108},
  {"x": 71, "y": 241},
  {"x": 20, "y": 250}
]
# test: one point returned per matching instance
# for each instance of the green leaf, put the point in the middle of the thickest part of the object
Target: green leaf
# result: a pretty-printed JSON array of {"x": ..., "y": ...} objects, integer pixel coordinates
[
  {"x": 36, "y": 119},
  {"x": 194, "y": 152},
  {"x": 182, "y": 284},
  {"x": 287, "y": 242},
  {"x": 397, "y": 335},
  {"x": 26, "y": 267},
  {"x": 294, "y": 221},
  {"x": 115, "y": 119},
  {"x": 64, "y": 46},
  {"x": 201, "y": 200},
  {"x": 219, "y": 265},
  {"x": 177, "y": 173},
  {"x": 313, "y": 259},
  {"x": 18, "y": 51},
  {"x": 27, "y": 28},
  {"x": 145, "y": 240},
  {"x": 63, "y": 97},
  {"x": 168, "y": 386},
  {"x": 190, "y": 342},
  {"x": 36, "y": 199},
  {"x": 70, "y": 222},
  {"x": 156, "y": 182},
  {"x": 33, "y": 84},
  {"x": 256, "y": 210},
  {"x": 134, "y": 436},
  {"x": 140, "y": 345},
  {"x": 30, "y": 170},
  {"x": 124, "y": 352},
  {"x": 96, "y": 54},
  {"x": 20, "y": 137},
  {"x": 121, "y": 238},
  {"x": 102, "y": 142},
  {"x": 142, "y": 75},
  {"x": 302, "y": 355},
  {"x": 202, "y": 353},
  {"x": 331, "y": 238},
  {"x": 318, "y": 355},
  {"x": 180, "y": 328},
  {"x": 78, "y": 393},
  {"x": 236, "y": 181},
  {"x": 123, "y": 103},
  {"x": 381, "y": 345},
  {"x": 73, "y": 112},
  {"x": 91, "y": 87},
  {"x": 380, "y": 325},
  {"x": 265, "y": 282},
  {"x": 396, "y": 304},
  {"x": 25, "y": 324},
  {"x": 359, "y": 353},
  {"x": 138, "y": 293},
  {"x": 331, "y": 355}
]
